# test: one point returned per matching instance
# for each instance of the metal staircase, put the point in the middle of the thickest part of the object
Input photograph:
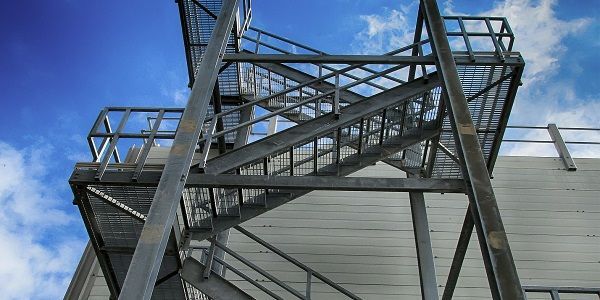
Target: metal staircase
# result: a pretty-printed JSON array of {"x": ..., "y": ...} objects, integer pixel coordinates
[
  {"x": 339, "y": 120},
  {"x": 330, "y": 145}
]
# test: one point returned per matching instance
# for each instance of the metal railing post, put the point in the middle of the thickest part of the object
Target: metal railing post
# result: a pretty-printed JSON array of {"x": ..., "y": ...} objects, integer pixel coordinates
[
  {"x": 336, "y": 96},
  {"x": 561, "y": 148}
]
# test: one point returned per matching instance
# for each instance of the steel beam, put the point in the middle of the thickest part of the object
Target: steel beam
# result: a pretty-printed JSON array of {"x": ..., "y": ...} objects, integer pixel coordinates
[
  {"x": 230, "y": 181},
  {"x": 145, "y": 264},
  {"x": 425, "y": 259},
  {"x": 331, "y": 183},
  {"x": 364, "y": 59},
  {"x": 501, "y": 272},
  {"x": 459, "y": 255}
]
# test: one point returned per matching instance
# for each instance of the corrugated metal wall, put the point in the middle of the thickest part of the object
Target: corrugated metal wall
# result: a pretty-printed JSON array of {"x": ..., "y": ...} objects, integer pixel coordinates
[{"x": 364, "y": 241}]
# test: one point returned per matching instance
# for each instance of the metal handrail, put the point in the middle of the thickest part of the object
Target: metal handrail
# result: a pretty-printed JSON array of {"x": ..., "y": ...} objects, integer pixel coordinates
[
  {"x": 300, "y": 265},
  {"x": 283, "y": 39},
  {"x": 555, "y": 291},
  {"x": 552, "y": 142},
  {"x": 316, "y": 80},
  {"x": 309, "y": 271},
  {"x": 557, "y": 140},
  {"x": 298, "y": 104}
]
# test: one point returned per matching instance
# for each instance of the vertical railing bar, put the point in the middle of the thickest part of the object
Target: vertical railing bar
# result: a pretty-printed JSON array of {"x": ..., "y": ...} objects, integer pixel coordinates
[
  {"x": 368, "y": 131},
  {"x": 208, "y": 142},
  {"x": 315, "y": 155},
  {"x": 209, "y": 260},
  {"x": 510, "y": 32},
  {"x": 147, "y": 145},
  {"x": 125, "y": 118},
  {"x": 266, "y": 173},
  {"x": 416, "y": 40},
  {"x": 466, "y": 38},
  {"x": 338, "y": 145},
  {"x": 285, "y": 96},
  {"x": 336, "y": 97},
  {"x": 308, "y": 284},
  {"x": 502, "y": 28},
  {"x": 93, "y": 149},
  {"x": 494, "y": 39},
  {"x": 213, "y": 202},
  {"x": 240, "y": 191},
  {"x": 382, "y": 130},
  {"x": 113, "y": 146},
  {"x": 270, "y": 82},
  {"x": 422, "y": 112},
  {"x": 256, "y": 49},
  {"x": 360, "y": 135},
  {"x": 106, "y": 139},
  {"x": 423, "y": 67},
  {"x": 292, "y": 161},
  {"x": 554, "y": 294},
  {"x": 93, "y": 131}
]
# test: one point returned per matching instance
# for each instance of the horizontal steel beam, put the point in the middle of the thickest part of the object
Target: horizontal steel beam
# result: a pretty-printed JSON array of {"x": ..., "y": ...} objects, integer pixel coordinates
[
  {"x": 329, "y": 183},
  {"x": 151, "y": 178},
  {"x": 364, "y": 59}
]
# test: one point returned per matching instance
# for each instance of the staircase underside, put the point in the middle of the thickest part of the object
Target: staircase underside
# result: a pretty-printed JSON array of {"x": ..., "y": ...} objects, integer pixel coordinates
[{"x": 405, "y": 126}]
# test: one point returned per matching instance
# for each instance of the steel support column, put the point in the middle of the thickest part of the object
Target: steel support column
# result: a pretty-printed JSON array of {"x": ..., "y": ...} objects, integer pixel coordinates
[
  {"x": 146, "y": 261},
  {"x": 423, "y": 244},
  {"x": 500, "y": 267}
]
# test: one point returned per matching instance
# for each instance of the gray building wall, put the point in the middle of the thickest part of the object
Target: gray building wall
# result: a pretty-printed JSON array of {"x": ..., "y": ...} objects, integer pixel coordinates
[{"x": 364, "y": 240}]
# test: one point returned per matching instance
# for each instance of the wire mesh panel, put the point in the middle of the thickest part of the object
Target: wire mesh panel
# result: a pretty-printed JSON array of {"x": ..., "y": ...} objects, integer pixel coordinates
[
  {"x": 487, "y": 90},
  {"x": 196, "y": 202},
  {"x": 253, "y": 196},
  {"x": 198, "y": 23}
]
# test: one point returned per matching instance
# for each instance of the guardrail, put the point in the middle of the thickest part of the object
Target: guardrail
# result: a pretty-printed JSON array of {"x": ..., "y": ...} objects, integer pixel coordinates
[
  {"x": 556, "y": 291},
  {"x": 556, "y": 138}
]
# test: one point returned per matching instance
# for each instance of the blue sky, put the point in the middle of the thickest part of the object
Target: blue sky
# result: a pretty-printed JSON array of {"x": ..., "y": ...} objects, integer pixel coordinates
[{"x": 62, "y": 61}]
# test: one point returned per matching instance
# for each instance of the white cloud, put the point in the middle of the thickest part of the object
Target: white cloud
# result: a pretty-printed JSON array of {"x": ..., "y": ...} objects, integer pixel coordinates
[
  {"x": 545, "y": 97},
  {"x": 540, "y": 37},
  {"x": 385, "y": 32},
  {"x": 180, "y": 96},
  {"x": 539, "y": 34},
  {"x": 37, "y": 258}
]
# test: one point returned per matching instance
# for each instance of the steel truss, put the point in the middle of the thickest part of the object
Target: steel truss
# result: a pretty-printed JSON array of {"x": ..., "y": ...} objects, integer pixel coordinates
[{"x": 436, "y": 113}]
